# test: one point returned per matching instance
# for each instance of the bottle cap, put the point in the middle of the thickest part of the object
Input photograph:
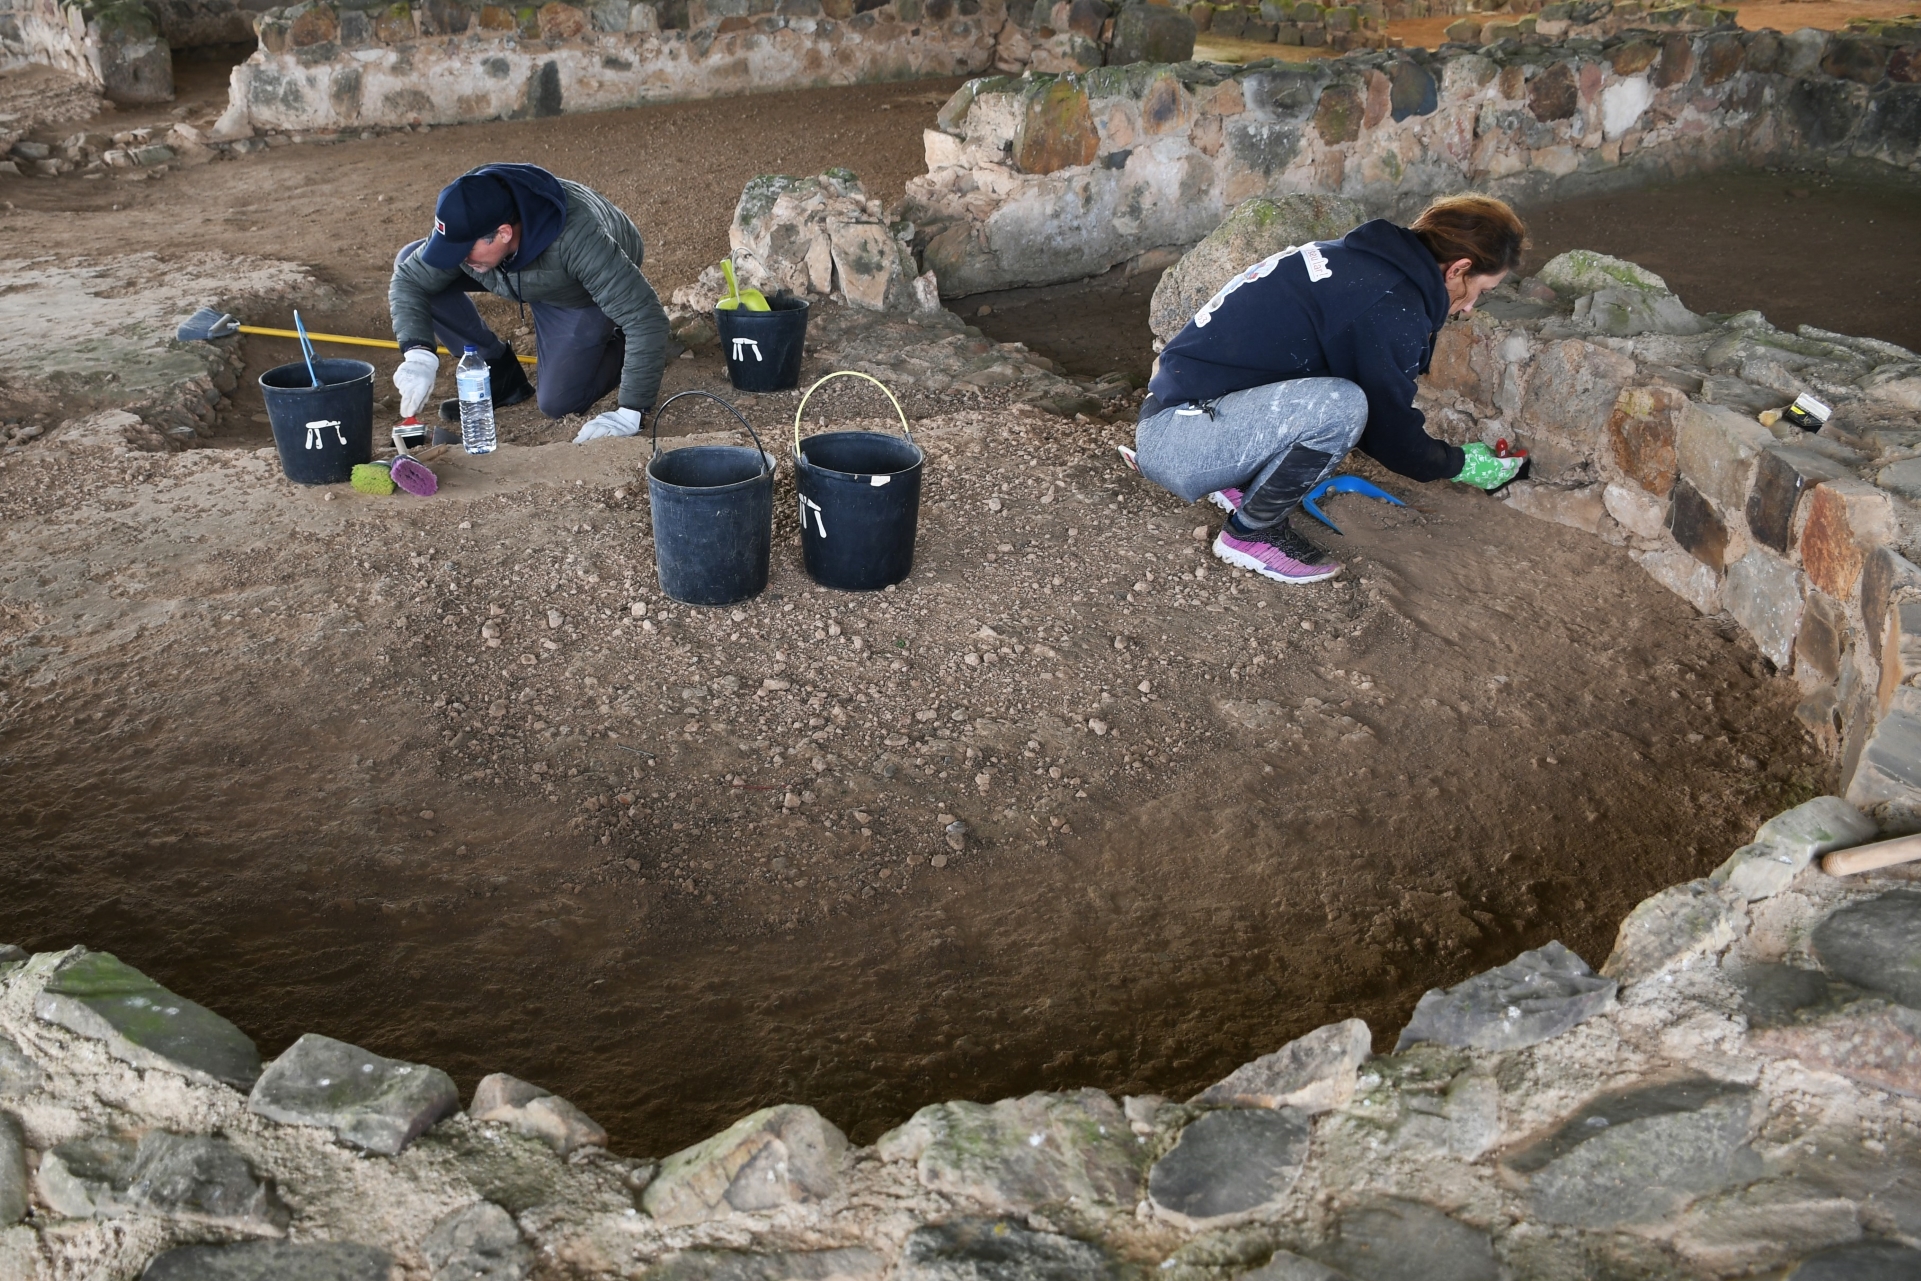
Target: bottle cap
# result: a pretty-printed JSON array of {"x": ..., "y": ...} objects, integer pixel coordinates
[{"x": 471, "y": 350}]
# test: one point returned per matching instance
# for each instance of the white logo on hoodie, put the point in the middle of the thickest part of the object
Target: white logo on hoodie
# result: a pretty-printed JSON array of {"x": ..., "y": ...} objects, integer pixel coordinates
[{"x": 1311, "y": 256}]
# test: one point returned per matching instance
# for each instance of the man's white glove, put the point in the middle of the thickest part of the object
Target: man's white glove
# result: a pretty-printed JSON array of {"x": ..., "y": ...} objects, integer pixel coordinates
[
  {"x": 415, "y": 379},
  {"x": 615, "y": 422}
]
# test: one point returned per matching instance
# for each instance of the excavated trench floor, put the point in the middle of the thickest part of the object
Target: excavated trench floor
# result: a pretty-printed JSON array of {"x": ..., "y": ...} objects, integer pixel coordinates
[
  {"x": 257, "y": 745},
  {"x": 228, "y": 763}
]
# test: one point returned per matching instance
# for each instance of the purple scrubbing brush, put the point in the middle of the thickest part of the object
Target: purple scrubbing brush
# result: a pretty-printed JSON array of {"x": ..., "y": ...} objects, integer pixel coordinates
[{"x": 414, "y": 477}]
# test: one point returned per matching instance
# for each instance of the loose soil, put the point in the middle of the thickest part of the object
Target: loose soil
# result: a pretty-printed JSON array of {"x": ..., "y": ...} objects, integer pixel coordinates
[
  {"x": 680, "y": 864},
  {"x": 683, "y": 872}
]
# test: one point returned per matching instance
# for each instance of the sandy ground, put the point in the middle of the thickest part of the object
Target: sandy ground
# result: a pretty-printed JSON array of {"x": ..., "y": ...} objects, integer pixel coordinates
[{"x": 260, "y": 746}]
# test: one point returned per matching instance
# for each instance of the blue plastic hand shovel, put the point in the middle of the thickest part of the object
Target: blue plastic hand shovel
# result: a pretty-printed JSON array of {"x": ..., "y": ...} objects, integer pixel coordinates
[{"x": 1344, "y": 485}]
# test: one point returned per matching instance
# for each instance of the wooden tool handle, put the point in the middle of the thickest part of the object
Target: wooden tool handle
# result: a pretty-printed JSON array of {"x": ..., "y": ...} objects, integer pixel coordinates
[{"x": 1866, "y": 858}]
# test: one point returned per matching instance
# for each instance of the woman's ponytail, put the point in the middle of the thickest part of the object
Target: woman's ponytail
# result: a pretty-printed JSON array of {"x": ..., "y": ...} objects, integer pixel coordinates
[{"x": 1483, "y": 230}]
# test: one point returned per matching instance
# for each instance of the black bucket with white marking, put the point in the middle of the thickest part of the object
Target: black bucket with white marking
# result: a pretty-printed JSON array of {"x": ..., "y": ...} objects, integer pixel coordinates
[
  {"x": 321, "y": 432},
  {"x": 713, "y": 513},
  {"x": 859, "y": 501},
  {"x": 763, "y": 348}
]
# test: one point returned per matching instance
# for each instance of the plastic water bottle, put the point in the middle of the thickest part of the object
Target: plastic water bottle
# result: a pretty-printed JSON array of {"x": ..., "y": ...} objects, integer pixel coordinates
[{"x": 475, "y": 382}]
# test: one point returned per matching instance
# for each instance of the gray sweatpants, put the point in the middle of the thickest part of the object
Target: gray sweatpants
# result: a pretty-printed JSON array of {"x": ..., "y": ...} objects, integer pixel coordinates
[
  {"x": 1237, "y": 442},
  {"x": 581, "y": 352}
]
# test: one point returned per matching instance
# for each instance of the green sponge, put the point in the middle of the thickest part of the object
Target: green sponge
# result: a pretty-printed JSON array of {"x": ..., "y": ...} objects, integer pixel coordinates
[{"x": 373, "y": 478}]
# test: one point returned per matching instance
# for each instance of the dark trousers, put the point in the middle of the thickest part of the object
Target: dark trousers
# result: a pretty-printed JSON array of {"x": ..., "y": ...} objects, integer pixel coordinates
[{"x": 581, "y": 352}]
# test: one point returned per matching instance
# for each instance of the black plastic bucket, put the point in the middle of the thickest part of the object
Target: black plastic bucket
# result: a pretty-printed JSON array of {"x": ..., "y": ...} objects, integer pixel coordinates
[
  {"x": 859, "y": 501},
  {"x": 763, "y": 348},
  {"x": 713, "y": 510},
  {"x": 322, "y": 432}
]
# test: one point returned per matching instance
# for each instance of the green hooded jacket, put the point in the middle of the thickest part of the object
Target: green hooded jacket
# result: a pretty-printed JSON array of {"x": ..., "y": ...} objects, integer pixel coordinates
[{"x": 593, "y": 262}]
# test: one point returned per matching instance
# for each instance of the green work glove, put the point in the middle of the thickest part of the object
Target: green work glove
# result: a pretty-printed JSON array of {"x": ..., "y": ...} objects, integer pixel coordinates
[{"x": 1486, "y": 471}]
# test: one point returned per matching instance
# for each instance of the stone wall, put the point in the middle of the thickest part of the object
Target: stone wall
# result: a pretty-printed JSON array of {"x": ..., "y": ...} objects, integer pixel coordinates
[
  {"x": 1364, "y": 26},
  {"x": 326, "y": 66},
  {"x": 1043, "y": 179},
  {"x": 117, "y": 46},
  {"x": 1657, "y": 430},
  {"x": 1734, "y": 1092}
]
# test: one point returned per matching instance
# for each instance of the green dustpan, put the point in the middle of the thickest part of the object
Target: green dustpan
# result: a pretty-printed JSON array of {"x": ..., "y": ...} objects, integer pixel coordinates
[{"x": 752, "y": 299}]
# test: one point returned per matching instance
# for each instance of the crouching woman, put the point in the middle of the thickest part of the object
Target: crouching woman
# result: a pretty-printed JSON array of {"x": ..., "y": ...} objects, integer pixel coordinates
[{"x": 1309, "y": 353}]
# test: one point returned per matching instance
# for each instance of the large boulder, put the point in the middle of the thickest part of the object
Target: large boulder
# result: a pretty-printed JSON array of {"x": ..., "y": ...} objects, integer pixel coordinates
[
  {"x": 1535, "y": 997},
  {"x": 1788, "y": 842},
  {"x": 13, "y": 1171},
  {"x": 976, "y": 1249},
  {"x": 777, "y": 1156},
  {"x": 192, "y": 1178},
  {"x": 272, "y": 1261},
  {"x": 1257, "y": 228},
  {"x": 536, "y": 1113},
  {"x": 1020, "y": 1154},
  {"x": 18, "y": 1073},
  {"x": 1313, "y": 1073},
  {"x": 1617, "y": 297},
  {"x": 1642, "y": 1154},
  {"x": 478, "y": 1242},
  {"x": 819, "y": 236},
  {"x": 368, "y": 1101},
  {"x": 1230, "y": 1164}
]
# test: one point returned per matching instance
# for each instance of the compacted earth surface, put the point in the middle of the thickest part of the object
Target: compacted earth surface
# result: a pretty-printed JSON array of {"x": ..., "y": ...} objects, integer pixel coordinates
[{"x": 1074, "y": 804}]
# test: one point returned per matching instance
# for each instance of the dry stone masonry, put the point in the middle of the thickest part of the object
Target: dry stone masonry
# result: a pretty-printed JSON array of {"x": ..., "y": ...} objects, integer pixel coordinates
[
  {"x": 1040, "y": 179},
  {"x": 1657, "y": 430},
  {"x": 1364, "y": 26},
  {"x": 321, "y": 66},
  {"x": 1737, "y": 1091}
]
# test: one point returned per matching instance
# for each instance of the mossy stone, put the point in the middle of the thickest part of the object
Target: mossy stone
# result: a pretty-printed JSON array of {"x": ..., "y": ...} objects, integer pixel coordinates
[
  {"x": 97, "y": 995},
  {"x": 1057, "y": 129},
  {"x": 1338, "y": 118}
]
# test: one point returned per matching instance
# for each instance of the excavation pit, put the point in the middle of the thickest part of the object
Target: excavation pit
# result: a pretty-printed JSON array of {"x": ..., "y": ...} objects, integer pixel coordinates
[
  {"x": 1236, "y": 813},
  {"x": 1073, "y": 805}
]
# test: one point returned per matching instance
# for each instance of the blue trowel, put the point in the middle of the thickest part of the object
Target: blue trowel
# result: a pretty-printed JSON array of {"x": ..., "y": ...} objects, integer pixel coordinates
[{"x": 1343, "y": 485}]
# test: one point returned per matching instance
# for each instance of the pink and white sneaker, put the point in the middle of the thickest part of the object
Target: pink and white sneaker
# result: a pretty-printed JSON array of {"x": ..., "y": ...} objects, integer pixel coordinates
[
  {"x": 1130, "y": 458},
  {"x": 1277, "y": 553}
]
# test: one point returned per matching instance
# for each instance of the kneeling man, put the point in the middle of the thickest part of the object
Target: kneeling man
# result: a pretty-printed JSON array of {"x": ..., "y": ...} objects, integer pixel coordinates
[{"x": 557, "y": 247}]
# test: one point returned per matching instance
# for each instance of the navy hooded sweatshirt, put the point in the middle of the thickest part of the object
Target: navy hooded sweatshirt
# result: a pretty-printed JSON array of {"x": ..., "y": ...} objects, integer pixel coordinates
[
  {"x": 1366, "y": 307},
  {"x": 543, "y": 209}
]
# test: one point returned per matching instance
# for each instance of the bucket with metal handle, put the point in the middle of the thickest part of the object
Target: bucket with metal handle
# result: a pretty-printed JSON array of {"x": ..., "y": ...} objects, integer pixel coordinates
[{"x": 859, "y": 500}]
